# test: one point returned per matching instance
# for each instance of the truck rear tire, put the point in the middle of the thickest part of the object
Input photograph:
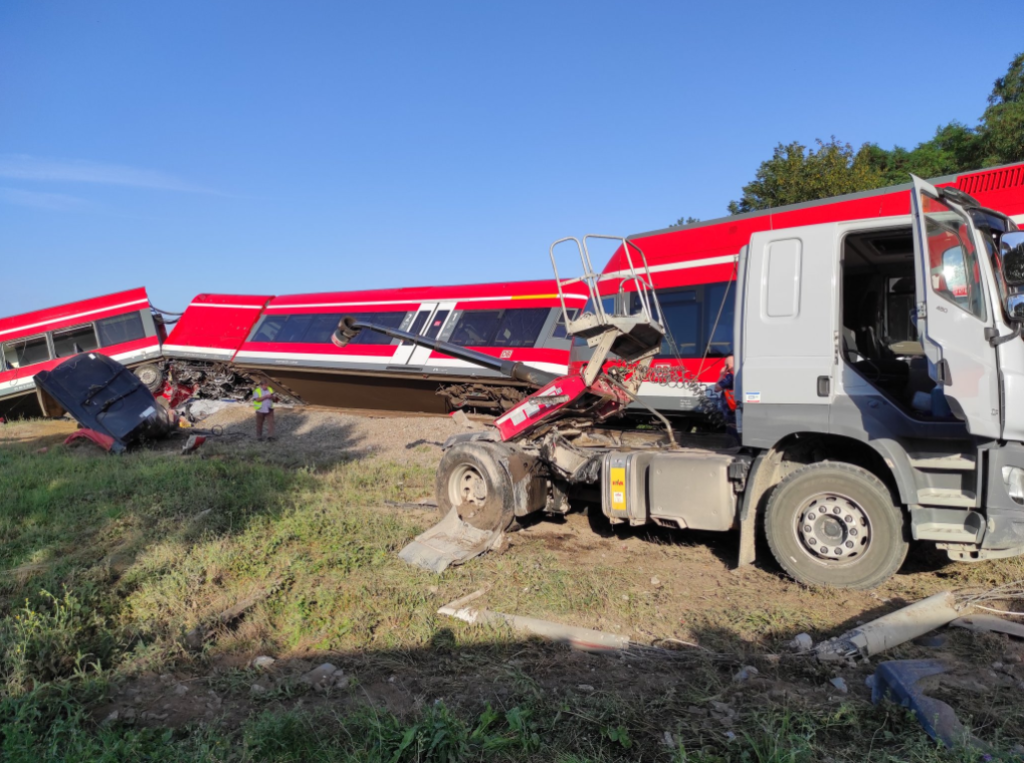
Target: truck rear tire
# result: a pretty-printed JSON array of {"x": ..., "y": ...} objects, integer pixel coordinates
[
  {"x": 471, "y": 479},
  {"x": 834, "y": 524},
  {"x": 151, "y": 376}
]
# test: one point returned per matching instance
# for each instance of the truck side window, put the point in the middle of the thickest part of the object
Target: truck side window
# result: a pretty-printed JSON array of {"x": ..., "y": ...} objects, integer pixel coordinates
[{"x": 953, "y": 262}]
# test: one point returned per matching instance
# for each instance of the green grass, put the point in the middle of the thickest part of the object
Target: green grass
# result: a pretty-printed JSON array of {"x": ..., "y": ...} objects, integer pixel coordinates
[{"x": 106, "y": 563}]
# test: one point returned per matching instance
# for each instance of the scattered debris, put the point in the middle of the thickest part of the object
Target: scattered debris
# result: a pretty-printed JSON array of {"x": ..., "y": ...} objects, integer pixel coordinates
[
  {"x": 891, "y": 630},
  {"x": 840, "y": 684},
  {"x": 197, "y": 410},
  {"x": 461, "y": 419},
  {"x": 325, "y": 676},
  {"x": 105, "y": 442},
  {"x": 897, "y": 680},
  {"x": 450, "y": 541},
  {"x": 192, "y": 444},
  {"x": 656, "y": 582},
  {"x": 583, "y": 639},
  {"x": 744, "y": 674},
  {"x": 106, "y": 398},
  {"x": 801, "y": 642},
  {"x": 263, "y": 662},
  {"x": 989, "y": 623}
]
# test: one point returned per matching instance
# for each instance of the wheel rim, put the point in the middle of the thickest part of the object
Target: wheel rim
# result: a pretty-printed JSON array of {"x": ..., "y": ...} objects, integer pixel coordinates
[
  {"x": 467, "y": 487},
  {"x": 834, "y": 528},
  {"x": 148, "y": 376}
]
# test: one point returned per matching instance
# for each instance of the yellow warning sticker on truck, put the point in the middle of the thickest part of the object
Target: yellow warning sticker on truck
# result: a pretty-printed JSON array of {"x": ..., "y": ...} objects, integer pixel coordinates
[{"x": 617, "y": 487}]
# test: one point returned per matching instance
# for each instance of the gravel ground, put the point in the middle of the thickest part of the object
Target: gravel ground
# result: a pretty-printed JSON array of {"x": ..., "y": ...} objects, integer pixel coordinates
[{"x": 324, "y": 435}]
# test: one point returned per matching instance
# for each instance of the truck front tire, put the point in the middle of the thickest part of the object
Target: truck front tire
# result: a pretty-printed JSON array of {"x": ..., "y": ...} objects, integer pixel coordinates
[
  {"x": 471, "y": 479},
  {"x": 834, "y": 524}
]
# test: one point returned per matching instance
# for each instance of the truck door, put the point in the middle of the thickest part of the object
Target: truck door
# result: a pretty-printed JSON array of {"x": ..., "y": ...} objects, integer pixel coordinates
[
  {"x": 789, "y": 313},
  {"x": 953, "y": 310}
]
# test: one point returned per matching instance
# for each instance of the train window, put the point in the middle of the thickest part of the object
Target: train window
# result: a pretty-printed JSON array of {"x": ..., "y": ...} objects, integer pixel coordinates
[
  {"x": 294, "y": 328},
  {"x": 500, "y": 328},
  {"x": 120, "y": 328},
  {"x": 417, "y": 324},
  {"x": 436, "y": 323},
  {"x": 26, "y": 352},
  {"x": 269, "y": 328},
  {"x": 520, "y": 328},
  {"x": 690, "y": 317},
  {"x": 560, "y": 331},
  {"x": 719, "y": 301},
  {"x": 476, "y": 328},
  {"x": 681, "y": 312},
  {"x": 390, "y": 319},
  {"x": 321, "y": 327},
  {"x": 73, "y": 341}
]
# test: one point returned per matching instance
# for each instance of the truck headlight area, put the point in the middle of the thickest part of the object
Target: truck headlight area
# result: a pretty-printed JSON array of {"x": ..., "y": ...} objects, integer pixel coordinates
[{"x": 1013, "y": 478}]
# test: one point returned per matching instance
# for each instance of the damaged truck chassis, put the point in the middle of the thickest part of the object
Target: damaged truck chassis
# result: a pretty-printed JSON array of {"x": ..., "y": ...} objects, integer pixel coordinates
[{"x": 842, "y": 468}]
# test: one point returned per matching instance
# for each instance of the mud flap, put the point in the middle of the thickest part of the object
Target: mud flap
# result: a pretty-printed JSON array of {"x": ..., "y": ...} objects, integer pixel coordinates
[{"x": 450, "y": 541}]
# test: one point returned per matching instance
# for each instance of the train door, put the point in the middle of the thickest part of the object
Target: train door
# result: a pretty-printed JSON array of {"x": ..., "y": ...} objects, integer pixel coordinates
[
  {"x": 431, "y": 330},
  {"x": 419, "y": 321}
]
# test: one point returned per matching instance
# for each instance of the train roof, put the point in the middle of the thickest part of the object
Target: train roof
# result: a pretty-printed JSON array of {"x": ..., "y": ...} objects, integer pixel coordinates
[
  {"x": 417, "y": 294},
  {"x": 81, "y": 311},
  {"x": 716, "y": 242},
  {"x": 997, "y": 181}
]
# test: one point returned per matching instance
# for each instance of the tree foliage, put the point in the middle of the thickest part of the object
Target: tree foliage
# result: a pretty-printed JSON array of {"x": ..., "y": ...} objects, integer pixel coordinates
[
  {"x": 1002, "y": 127},
  {"x": 795, "y": 173}
]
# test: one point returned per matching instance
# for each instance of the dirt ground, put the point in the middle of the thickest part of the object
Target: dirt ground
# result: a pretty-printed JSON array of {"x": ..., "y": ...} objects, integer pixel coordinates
[{"x": 679, "y": 590}]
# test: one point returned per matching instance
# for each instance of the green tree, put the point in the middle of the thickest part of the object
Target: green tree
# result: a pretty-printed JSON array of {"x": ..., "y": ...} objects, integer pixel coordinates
[
  {"x": 954, "y": 148},
  {"x": 684, "y": 221},
  {"x": 796, "y": 173},
  {"x": 1002, "y": 128}
]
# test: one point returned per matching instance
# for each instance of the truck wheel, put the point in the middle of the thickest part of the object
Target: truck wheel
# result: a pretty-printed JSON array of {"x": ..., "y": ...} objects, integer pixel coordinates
[
  {"x": 835, "y": 524},
  {"x": 470, "y": 478},
  {"x": 151, "y": 376}
]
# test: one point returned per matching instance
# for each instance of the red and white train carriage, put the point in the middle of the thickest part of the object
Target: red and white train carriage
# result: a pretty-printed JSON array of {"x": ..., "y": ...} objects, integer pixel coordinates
[
  {"x": 289, "y": 339},
  {"x": 121, "y": 326}
]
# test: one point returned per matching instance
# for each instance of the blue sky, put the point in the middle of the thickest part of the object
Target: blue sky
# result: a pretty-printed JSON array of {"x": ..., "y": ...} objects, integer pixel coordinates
[{"x": 271, "y": 147}]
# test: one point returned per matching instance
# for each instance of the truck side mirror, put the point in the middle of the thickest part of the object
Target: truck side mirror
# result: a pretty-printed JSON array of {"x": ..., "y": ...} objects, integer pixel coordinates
[
  {"x": 1015, "y": 307},
  {"x": 1011, "y": 254}
]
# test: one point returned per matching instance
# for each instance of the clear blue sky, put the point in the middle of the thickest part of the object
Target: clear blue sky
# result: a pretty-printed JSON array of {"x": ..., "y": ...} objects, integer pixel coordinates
[{"x": 287, "y": 147}]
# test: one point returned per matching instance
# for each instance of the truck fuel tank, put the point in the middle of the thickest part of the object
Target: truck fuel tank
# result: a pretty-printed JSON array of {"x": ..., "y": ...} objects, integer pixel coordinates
[{"x": 676, "y": 488}]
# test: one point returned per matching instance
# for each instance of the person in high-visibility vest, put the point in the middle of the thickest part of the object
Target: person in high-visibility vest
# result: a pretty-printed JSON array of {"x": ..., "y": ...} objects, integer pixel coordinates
[{"x": 263, "y": 399}]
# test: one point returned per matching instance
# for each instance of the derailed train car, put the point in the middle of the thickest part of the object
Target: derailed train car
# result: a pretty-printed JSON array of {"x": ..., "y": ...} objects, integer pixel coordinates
[
  {"x": 288, "y": 338},
  {"x": 121, "y": 326}
]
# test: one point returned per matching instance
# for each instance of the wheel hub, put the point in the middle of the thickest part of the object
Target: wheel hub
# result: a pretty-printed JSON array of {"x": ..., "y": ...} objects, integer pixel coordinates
[
  {"x": 833, "y": 526},
  {"x": 467, "y": 487}
]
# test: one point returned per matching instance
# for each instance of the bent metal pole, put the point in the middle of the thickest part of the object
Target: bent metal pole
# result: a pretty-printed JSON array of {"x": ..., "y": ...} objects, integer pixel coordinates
[{"x": 349, "y": 328}]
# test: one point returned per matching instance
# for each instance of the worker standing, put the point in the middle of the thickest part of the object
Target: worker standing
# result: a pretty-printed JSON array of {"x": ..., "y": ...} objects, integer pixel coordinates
[
  {"x": 263, "y": 399},
  {"x": 727, "y": 397}
]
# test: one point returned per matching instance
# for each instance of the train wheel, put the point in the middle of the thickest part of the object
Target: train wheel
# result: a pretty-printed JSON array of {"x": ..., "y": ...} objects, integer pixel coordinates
[
  {"x": 835, "y": 524},
  {"x": 470, "y": 479},
  {"x": 151, "y": 376}
]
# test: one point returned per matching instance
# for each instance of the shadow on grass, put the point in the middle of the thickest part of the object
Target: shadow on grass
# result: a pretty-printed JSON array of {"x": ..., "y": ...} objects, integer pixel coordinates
[{"x": 76, "y": 507}]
